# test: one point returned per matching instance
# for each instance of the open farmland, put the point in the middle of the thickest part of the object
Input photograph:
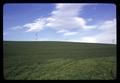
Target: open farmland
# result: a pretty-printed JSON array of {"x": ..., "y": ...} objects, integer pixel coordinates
[{"x": 59, "y": 61}]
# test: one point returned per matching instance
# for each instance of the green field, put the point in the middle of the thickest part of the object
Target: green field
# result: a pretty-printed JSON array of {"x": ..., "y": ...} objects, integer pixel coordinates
[{"x": 59, "y": 61}]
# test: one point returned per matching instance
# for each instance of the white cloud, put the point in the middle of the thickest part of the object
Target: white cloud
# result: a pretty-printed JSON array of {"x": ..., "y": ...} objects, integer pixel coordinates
[
  {"x": 66, "y": 17},
  {"x": 66, "y": 32},
  {"x": 16, "y": 27},
  {"x": 109, "y": 25},
  {"x": 70, "y": 33},
  {"x": 88, "y": 39},
  {"x": 61, "y": 19},
  {"x": 37, "y": 25},
  {"x": 82, "y": 23},
  {"x": 62, "y": 31},
  {"x": 108, "y": 34},
  {"x": 63, "y": 10}
]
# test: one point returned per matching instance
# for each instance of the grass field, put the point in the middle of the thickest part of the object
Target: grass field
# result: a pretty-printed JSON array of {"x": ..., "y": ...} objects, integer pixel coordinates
[{"x": 59, "y": 61}]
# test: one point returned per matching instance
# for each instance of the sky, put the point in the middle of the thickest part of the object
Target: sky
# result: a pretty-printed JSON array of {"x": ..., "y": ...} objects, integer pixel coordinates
[{"x": 71, "y": 22}]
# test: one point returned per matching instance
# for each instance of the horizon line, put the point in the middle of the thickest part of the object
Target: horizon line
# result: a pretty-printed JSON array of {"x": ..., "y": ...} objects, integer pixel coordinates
[{"x": 53, "y": 41}]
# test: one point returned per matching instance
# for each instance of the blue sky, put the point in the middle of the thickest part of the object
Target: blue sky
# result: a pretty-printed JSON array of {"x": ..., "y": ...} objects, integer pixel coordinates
[{"x": 93, "y": 23}]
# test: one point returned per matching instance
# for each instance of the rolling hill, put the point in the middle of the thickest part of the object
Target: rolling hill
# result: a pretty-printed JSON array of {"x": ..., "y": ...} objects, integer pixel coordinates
[{"x": 51, "y": 60}]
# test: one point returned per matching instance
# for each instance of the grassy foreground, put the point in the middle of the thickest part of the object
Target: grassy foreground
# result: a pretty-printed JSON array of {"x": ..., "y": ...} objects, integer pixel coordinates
[{"x": 59, "y": 61}]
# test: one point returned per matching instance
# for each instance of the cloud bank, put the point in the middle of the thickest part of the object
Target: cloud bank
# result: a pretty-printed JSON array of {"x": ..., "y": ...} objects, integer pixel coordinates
[{"x": 66, "y": 17}]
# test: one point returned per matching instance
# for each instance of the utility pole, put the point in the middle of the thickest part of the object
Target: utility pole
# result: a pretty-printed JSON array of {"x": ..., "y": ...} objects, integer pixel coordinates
[{"x": 36, "y": 36}]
